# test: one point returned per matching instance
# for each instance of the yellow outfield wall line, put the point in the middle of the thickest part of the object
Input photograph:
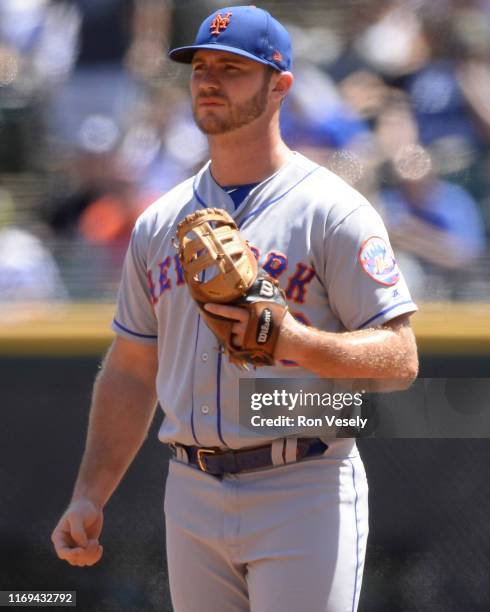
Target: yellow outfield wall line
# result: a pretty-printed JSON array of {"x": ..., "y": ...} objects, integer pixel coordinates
[
  {"x": 84, "y": 328},
  {"x": 56, "y": 329}
]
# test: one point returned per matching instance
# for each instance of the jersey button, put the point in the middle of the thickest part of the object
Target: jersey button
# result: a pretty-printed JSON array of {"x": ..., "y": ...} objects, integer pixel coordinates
[
  {"x": 204, "y": 408},
  {"x": 205, "y": 357}
]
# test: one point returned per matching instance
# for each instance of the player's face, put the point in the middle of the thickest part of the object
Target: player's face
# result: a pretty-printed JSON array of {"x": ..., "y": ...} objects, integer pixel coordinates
[{"x": 228, "y": 91}]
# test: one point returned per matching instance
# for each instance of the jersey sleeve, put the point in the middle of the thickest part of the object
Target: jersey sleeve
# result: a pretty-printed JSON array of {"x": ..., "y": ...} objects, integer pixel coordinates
[
  {"x": 364, "y": 283},
  {"x": 135, "y": 318}
]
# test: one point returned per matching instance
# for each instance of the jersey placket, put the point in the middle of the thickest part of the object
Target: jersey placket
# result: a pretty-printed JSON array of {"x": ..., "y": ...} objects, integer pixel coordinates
[{"x": 206, "y": 417}]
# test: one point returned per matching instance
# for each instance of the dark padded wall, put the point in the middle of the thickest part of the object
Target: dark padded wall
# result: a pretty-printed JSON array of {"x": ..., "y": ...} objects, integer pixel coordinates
[{"x": 429, "y": 546}]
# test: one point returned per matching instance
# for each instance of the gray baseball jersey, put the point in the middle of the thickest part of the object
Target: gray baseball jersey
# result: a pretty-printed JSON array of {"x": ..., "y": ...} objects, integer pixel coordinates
[{"x": 321, "y": 239}]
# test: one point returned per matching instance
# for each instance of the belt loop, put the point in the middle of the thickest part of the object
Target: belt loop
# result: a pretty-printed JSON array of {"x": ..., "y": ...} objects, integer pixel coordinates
[
  {"x": 181, "y": 454},
  {"x": 276, "y": 452},
  {"x": 291, "y": 444}
]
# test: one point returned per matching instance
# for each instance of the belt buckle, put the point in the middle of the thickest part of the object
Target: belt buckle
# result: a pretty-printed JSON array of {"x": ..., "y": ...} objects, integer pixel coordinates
[{"x": 200, "y": 453}]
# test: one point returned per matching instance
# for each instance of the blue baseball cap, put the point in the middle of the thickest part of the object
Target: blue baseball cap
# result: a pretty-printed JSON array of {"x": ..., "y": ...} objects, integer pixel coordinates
[{"x": 244, "y": 30}]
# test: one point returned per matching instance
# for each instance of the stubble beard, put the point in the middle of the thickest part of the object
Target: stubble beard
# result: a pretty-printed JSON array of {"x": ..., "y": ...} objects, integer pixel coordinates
[{"x": 238, "y": 115}]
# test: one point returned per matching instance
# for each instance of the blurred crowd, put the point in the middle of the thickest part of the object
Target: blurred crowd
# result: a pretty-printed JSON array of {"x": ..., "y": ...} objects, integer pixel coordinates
[{"x": 95, "y": 124}]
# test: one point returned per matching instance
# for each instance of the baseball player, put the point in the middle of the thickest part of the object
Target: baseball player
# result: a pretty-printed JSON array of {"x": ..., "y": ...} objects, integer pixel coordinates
[{"x": 282, "y": 526}]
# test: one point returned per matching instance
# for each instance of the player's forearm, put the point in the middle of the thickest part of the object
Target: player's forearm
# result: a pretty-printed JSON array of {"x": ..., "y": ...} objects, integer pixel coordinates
[
  {"x": 121, "y": 413},
  {"x": 384, "y": 353}
]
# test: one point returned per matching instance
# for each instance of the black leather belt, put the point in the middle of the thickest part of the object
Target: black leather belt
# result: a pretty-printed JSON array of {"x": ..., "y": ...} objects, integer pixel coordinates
[{"x": 216, "y": 461}]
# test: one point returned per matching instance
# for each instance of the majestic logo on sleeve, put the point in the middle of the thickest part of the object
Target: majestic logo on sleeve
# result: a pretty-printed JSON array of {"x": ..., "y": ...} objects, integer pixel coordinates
[
  {"x": 378, "y": 261},
  {"x": 220, "y": 23}
]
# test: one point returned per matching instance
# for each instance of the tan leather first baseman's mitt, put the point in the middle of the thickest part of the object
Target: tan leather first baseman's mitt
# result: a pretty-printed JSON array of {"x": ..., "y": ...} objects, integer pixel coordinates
[{"x": 220, "y": 267}]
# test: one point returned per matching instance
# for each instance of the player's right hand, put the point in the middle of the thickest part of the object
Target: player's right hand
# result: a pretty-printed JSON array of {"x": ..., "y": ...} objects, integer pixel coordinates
[{"x": 76, "y": 536}]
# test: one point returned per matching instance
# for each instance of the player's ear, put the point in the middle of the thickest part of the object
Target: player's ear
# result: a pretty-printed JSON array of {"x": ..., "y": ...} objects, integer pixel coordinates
[{"x": 282, "y": 84}]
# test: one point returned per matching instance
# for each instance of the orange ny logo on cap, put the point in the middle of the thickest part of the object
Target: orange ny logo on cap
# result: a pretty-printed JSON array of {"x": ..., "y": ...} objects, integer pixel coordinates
[{"x": 220, "y": 23}]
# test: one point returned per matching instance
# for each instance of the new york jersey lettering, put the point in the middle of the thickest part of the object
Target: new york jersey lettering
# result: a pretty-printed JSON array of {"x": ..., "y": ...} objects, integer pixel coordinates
[
  {"x": 276, "y": 263},
  {"x": 298, "y": 283},
  {"x": 165, "y": 283}
]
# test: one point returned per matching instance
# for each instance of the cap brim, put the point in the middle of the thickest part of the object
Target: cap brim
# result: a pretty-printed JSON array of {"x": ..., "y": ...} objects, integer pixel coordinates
[{"x": 184, "y": 55}]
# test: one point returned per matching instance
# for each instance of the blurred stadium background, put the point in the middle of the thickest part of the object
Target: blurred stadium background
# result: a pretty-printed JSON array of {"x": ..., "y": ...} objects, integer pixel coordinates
[{"x": 95, "y": 124}]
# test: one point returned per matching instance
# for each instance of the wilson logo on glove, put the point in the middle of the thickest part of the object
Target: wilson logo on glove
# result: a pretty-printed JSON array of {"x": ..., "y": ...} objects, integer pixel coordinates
[
  {"x": 266, "y": 289},
  {"x": 220, "y": 267},
  {"x": 265, "y": 326}
]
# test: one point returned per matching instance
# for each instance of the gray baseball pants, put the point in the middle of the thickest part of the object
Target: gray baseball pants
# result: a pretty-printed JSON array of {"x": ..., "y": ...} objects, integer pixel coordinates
[{"x": 286, "y": 539}]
